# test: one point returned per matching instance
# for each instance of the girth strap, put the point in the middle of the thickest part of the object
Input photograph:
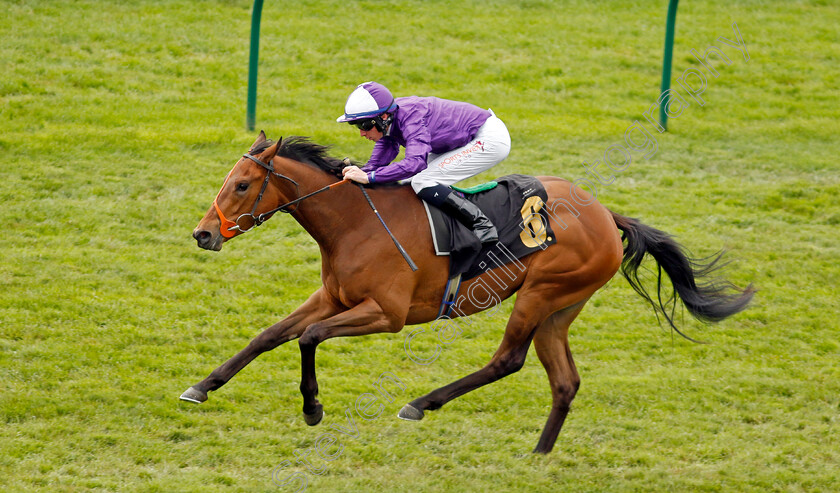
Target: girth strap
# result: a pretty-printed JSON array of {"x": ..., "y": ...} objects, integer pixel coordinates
[{"x": 450, "y": 294}]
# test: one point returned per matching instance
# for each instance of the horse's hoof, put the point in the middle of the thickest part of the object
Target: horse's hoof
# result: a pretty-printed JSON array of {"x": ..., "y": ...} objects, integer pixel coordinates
[
  {"x": 194, "y": 395},
  {"x": 410, "y": 413},
  {"x": 316, "y": 417}
]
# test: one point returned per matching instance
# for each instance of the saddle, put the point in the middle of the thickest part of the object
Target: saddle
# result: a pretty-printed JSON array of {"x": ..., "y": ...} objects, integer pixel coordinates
[{"x": 515, "y": 205}]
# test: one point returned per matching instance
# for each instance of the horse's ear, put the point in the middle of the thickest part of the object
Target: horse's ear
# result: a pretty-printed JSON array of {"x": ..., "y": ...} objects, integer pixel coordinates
[
  {"x": 260, "y": 140},
  {"x": 269, "y": 153}
]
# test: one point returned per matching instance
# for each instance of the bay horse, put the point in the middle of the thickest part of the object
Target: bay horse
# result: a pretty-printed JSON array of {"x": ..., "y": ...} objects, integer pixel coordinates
[{"x": 367, "y": 286}]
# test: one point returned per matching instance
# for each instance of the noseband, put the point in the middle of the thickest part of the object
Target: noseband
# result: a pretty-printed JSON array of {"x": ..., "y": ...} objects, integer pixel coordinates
[{"x": 229, "y": 228}]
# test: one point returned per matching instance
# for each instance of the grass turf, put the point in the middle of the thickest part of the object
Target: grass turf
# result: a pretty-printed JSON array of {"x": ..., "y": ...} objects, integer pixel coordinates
[{"x": 118, "y": 123}]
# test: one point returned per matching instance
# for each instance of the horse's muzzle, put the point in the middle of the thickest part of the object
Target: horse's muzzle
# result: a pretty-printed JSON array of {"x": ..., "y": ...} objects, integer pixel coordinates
[{"x": 208, "y": 240}]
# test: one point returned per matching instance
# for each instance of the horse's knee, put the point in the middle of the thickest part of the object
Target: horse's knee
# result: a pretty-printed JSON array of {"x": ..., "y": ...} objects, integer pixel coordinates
[
  {"x": 511, "y": 362},
  {"x": 309, "y": 338}
]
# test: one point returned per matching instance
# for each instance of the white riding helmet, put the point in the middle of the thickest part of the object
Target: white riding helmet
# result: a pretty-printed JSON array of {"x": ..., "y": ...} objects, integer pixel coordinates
[{"x": 368, "y": 100}]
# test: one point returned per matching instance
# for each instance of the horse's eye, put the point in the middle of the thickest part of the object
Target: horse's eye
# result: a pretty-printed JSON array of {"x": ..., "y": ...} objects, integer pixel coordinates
[{"x": 242, "y": 186}]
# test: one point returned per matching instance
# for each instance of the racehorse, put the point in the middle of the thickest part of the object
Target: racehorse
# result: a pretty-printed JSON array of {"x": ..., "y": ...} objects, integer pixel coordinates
[{"x": 367, "y": 287}]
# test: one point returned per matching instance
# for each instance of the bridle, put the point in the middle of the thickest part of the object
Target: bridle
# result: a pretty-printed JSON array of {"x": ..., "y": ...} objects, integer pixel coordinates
[{"x": 229, "y": 228}]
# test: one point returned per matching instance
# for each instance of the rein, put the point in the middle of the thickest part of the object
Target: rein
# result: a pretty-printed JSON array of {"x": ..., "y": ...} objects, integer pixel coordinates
[
  {"x": 228, "y": 228},
  {"x": 282, "y": 207}
]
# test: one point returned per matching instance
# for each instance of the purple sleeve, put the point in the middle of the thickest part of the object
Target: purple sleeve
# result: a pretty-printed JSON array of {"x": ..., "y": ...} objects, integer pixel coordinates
[
  {"x": 383, "y": 153},
  {"x": 417, "y": 148}
]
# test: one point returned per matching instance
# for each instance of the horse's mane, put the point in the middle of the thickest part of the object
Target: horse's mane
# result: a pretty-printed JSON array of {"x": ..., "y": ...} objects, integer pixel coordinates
[{"x": 303, "y": 150}]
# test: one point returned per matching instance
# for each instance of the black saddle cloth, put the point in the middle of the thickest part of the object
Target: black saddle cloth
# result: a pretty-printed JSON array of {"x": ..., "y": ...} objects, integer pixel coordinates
[{"x": 516, "y": 208}]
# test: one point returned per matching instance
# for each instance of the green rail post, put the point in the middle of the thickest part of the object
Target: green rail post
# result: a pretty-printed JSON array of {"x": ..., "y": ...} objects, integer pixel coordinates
[
  {"x": 666, "y": 64},
  {"x": 250, "y": 119}
]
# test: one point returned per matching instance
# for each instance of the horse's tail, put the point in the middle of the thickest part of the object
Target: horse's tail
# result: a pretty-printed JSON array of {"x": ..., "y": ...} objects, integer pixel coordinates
[{"x": 707, "y": 298}]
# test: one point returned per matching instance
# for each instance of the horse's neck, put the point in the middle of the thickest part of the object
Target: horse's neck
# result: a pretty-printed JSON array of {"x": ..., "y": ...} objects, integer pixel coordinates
[
  {"x": 327, "y": 216},
  {"x": 341, "y": 216}
]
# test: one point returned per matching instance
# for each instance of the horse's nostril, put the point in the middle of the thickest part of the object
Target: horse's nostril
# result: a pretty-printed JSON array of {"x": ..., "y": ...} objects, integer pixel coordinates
[{"x": 202, "y": 236}]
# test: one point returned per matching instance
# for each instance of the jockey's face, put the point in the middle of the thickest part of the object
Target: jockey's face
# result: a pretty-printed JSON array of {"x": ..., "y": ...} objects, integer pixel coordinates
[
  {"x": 367, "y": 128},
  {"x": 373, "y": 134}
]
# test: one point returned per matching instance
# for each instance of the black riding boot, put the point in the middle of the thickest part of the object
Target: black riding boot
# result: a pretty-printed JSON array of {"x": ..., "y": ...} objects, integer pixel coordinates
[{"x": 470, "y": 216}]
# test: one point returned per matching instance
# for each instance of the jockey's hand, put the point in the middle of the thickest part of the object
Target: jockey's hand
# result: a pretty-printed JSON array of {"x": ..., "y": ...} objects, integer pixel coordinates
[{"x": 355, "y": 174}]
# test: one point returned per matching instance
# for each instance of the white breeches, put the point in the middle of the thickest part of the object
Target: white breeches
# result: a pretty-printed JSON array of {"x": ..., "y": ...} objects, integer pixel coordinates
[{"x": 489, "y": 147}]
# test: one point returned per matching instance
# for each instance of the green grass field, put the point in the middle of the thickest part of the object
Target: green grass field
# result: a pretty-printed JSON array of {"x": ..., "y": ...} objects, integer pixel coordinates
[{"x": 119, "y": 121}]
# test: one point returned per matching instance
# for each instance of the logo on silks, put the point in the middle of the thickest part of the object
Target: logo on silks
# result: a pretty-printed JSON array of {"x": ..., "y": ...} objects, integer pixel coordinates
[
  {"x": 534, "y": 231},
  {"x": 461, "y": 156}
]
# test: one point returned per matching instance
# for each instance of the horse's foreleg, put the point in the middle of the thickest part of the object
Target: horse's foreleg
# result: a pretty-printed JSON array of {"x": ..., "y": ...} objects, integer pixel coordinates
[
  {"x": 365, "y": 318},
  {"x": 508, "y": 359},
  {"x": 317, "y": 307}
]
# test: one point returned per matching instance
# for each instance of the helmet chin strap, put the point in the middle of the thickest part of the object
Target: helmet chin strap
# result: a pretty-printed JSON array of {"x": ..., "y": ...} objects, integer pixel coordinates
[{"x": 382, "y": 124}]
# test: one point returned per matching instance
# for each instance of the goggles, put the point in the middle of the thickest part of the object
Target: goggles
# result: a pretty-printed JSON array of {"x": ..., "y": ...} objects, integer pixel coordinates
[{"x": 364, "y": 124}]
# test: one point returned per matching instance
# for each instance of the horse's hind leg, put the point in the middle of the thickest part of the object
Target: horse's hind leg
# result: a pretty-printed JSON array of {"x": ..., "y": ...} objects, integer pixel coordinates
[
  {"x": 508, "y": 359},
  {"x": 552, "y": 344}
]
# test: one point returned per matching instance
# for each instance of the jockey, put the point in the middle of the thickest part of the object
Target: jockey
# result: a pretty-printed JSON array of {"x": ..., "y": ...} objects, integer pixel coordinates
[{"x": 445, "y": 142}]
